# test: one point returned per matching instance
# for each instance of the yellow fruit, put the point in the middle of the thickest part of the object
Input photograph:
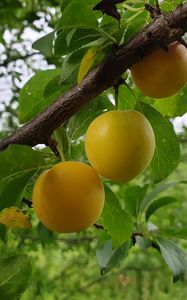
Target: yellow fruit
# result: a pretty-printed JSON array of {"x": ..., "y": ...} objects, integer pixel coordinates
[
  {"x": 68, "y": 197},
  {"x": 120, "y": 144},
  {"x": 162, "y": 74}
]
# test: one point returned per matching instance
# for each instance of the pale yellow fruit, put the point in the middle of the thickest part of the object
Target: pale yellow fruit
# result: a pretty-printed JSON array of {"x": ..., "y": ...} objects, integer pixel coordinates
[
  {"x": 162, "y": 74},
  {"x": 68, "y": 197},
  {"x": 120, "y": 144}
]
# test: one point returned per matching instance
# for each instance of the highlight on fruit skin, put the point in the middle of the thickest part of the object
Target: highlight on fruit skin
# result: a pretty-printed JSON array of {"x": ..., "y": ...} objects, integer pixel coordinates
[
  {"x": 120, "y": 144},
  {"x": 162, "y": 73},
  {"x": 69, "y": 197}
]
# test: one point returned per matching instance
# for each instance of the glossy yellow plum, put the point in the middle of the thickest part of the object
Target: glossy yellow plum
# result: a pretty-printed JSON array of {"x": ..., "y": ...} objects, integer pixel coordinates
[
  {"x": 68, "y": 197},
  {"x": 163, "y": 73},
  {"x": 120, "y": 144}
]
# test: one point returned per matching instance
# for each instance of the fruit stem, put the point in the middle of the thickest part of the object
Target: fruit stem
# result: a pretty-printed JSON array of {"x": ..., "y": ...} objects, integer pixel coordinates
[
  {"x": 116, "y": 86},
  {"x": 58, "y": 139},
  {"x": 61, "y": 153},
  {"x": 116, "y": 98},
  {"x": 132, "y": 92},
  {"x": 134, "y": 95},
  {"x": 154, "y": 11}
]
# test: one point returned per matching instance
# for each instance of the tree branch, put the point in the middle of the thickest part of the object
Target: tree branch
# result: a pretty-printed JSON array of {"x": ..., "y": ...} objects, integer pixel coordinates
[
  {"x": 15, "y": 58},
  {"x": 163, "y": 30}
]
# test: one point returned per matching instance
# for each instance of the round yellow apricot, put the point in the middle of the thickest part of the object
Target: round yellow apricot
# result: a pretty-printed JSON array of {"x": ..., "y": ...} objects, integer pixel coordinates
[
  {"x": 120, "y": 144},
  {"x": 68, "y": 197},
  {"x": 162, "y": 73}
]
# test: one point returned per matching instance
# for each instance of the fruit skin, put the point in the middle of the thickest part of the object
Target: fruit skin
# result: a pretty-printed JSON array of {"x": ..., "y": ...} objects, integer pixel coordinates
[
  {"x": 162, "y": 74},
  {"x": 120, "y": 144},
  {"x": 68, "y": 197}
]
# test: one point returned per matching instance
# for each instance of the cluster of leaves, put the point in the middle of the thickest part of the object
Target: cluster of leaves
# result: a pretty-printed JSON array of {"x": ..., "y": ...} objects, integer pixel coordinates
[
  {"x": 83, "y": 37},
  {"x": 19, "y": 21}
]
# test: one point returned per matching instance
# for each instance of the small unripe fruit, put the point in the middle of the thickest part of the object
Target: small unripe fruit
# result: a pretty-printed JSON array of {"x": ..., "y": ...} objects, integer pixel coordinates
[
  {"x": 162, "y": 73},
  {"x": 68, "y": 197},
  {"x": 120, "y": 144}
]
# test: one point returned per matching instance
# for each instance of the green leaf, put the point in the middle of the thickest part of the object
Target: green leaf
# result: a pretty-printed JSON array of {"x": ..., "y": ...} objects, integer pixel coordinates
[
  {"x": 32, "y": 99},
  {"x": 149, "y": 198},
  {"x": 79, "y": 123},
  {"x": 109, "y": 27},
  {"x": 45, "y": 44},
  {"x": 74, "y": 40},
  {"x": 12, "y": 188},
  {"x": 60, "y": 136},
  {"x": 134, "y": 196},
  {"x": 108, "y": 258},
  {"x": 173, "y": 256},
  {"x": 168, "y": 6},
  {"x": 143, "y": 242},
  {"x": 132, "y": 23},
  {"x": 167, "y": 152},
  {"x": 8, "y": 4},
  {"x": 173, "y": 106},
  {"x": 17, "y": 159},
  {"x": 180, "y": 233},
  {"x": 126, "y": 99},
  {"x": 158, "y": 203},
  {"x": 45, "y": 235},
  {"x": 115, "y": 220},
  {"x": 104, "y": 254},
  {"x": 64, "y": 3},
  {"x": 77, "y": 151},
  {"x": 18, "y": 165},
  {"x": 77, "y": 15},
  {"x": 70, "y": 66},
  {"x": 61, "y": 42},
  {"x": 53, "y": 87},
  {"x": 91, "y": 3},
  {"x": 15, "y": 272},
  {"x": 2, "y": 40}
]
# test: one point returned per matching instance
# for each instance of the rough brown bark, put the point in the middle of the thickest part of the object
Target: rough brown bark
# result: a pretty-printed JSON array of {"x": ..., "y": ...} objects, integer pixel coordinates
[{"x": 164, "y": 29}]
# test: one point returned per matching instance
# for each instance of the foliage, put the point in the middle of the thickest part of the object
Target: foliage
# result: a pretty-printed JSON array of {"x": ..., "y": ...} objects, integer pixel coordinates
[{"x": 143, "y": 221}]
